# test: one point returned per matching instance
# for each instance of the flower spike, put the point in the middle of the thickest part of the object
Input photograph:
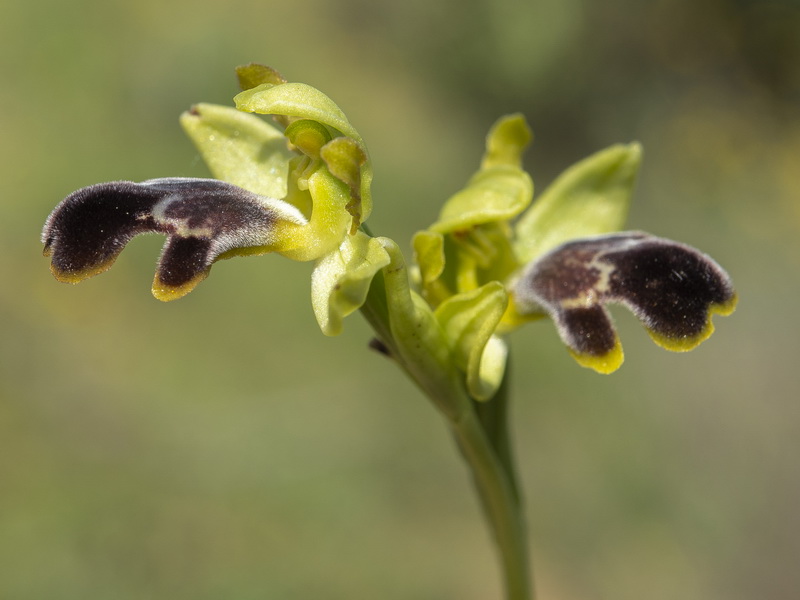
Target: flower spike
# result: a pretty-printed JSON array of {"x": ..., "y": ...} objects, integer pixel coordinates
[
  {"x": 672, "y": 288},
  {"x": 204, "y": 219}
]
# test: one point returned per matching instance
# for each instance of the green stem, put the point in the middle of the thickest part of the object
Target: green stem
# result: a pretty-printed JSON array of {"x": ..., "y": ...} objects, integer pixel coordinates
[
  {"x": 503, "y": 510},
  {"x": 481, "y": 432},
  {"x": 494, "y": 417}
]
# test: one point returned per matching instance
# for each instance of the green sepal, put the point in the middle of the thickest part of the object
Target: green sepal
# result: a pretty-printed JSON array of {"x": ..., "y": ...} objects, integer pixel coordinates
[
  {"x": 305, "y": 102},
  {"x": 254, "y": 74},
  {"x": 469, "y": 320},
  {"x": 590, "y": 198},
  {"x": 240, "y": 148},
  {"x": 341, "y": 280}
]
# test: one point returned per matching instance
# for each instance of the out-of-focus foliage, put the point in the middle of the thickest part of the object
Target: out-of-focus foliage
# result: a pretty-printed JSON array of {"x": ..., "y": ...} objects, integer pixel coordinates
[{"x": 220, "y": 446}]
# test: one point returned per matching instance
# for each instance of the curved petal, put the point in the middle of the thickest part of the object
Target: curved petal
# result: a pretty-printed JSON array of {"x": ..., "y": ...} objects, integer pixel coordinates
[
  {"x": 495, "y": 194},
  {"x": 500, "y": 190},
  {"x": 341, "y": 280},
  {"x": 469, "y": 321},
  {"x": 672, "y": 288},
  {"x": 204, "y": 219},
  {"x": 329, "y": 222},
  {"x": 295, "y": 100}
]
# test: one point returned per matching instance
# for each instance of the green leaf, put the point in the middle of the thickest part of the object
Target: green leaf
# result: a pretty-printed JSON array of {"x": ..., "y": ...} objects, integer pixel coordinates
[
  {"x": 341, "y": 280},
  {"x": 239, "y": 148},
  {"x": 590, "y": 198}
]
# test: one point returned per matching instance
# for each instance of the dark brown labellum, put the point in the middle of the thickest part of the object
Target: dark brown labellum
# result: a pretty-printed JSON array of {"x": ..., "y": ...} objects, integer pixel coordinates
[
  {"x": 203, "y": 218},
  {"x": 672, "y": 288}
]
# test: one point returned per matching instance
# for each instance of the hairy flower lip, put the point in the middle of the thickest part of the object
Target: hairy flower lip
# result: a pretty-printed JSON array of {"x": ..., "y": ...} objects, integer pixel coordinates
[
  {"x": 204, "y": 220},
  {"x": 672, "y": 288}
]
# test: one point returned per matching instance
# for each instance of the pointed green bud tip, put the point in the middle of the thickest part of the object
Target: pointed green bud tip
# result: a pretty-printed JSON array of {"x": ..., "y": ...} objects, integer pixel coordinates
[{"x": 506, "y": 141}]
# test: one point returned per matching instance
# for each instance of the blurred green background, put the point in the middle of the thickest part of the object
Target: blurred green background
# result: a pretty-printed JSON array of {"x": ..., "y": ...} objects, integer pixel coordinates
[{"x": 221, "y": 447}]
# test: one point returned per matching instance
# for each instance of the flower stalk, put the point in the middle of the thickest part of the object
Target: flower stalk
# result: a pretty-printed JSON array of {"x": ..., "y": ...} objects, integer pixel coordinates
[
  {"x": 480, "y": 430},
  {"x": 496, "y": 486}
]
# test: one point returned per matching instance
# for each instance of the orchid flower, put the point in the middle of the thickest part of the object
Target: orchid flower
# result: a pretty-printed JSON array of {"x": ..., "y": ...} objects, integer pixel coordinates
[
  {"x": 565, "y": 257},
  {"x": 302, "y": 192}
]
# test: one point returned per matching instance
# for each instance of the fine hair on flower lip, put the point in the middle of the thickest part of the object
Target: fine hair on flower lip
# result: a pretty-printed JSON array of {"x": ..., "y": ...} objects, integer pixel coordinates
[
  {"x": 203, "y": 219},
  {"x": 672, "y": 288}
]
